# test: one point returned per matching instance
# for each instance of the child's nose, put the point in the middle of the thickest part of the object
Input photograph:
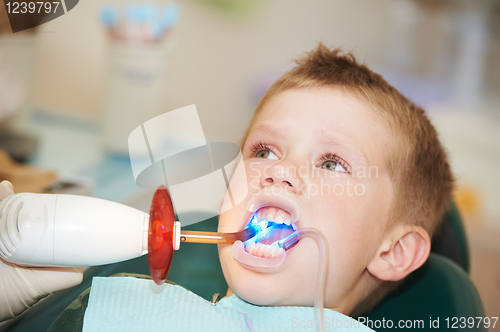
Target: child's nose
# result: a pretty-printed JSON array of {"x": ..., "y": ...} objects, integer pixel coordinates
[{"x": 281, "y": 176}]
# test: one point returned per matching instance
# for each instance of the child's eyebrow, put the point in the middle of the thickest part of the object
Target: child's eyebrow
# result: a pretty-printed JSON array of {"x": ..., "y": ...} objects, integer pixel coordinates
[
  {"x": 343, "y": 142},
  {"x": 275, "y": 130}
]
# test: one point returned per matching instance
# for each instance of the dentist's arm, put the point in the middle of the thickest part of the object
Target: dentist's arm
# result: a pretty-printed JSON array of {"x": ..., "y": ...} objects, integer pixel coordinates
[{"x": 22, "y": 287}]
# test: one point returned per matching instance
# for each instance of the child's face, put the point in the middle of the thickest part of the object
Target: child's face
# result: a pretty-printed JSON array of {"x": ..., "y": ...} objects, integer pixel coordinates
[{"x": 327, "y": 152}]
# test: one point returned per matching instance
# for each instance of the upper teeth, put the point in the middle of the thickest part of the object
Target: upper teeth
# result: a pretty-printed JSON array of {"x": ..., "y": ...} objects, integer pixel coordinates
[{"x": 274, "y": 214}]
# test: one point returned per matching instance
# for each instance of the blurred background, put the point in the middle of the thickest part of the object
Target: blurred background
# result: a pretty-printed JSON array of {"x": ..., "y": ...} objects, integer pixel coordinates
[{"x": 73, "y": 88}]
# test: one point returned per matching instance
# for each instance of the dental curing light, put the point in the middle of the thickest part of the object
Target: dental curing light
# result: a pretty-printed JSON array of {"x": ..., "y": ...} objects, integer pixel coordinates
[{"x": 70, "y": 230}]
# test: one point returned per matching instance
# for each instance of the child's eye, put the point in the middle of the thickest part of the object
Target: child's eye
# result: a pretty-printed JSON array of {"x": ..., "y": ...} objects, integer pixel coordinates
[
  {"x": 332, "y": 166},
  {"x": 334, "y": 163},
  {"x": 266, "y": 154},
  {"x": 263, "y": 151}
]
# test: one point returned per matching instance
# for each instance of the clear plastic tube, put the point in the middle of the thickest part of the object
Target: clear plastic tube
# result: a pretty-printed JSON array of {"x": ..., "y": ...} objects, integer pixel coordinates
[{"x": 321, "y": 241}]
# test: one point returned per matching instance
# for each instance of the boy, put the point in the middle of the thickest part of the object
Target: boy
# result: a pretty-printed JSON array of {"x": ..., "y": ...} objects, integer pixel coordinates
[
  {"x": 365, "y": 167},
  {"x": 331, "y": 146}
]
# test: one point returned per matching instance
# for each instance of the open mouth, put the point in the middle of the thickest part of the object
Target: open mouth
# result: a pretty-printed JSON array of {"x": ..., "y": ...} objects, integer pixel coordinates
[
  {"x": 276, "y": 224},
  {"x": 277, "y": 217}
]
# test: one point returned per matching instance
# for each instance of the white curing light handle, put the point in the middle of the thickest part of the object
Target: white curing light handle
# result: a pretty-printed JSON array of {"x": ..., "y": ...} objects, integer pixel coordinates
[{"x": 69, "y": 230}]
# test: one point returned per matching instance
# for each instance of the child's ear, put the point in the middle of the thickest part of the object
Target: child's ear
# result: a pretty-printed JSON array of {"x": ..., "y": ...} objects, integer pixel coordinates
[{"x": 404, "y": 249}]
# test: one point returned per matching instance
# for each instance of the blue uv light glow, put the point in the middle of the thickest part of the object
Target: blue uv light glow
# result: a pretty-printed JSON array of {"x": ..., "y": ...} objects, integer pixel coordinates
[
  {"x": 266, "y": 228},
  {"x": 263, "y": 224}
]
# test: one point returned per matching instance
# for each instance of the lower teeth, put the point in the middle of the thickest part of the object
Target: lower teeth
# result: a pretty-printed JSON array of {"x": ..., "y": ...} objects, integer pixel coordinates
[{"x": 264, "y": 250}]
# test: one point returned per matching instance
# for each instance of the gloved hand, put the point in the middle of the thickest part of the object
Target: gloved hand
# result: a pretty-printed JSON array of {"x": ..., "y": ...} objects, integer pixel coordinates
[{"x": 22, "y": 287}]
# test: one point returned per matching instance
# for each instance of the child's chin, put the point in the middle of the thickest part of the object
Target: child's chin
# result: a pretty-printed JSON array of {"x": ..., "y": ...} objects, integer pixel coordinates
[
  {"x": 259, "y": 292},
  {"x": 259, "y": 297}
]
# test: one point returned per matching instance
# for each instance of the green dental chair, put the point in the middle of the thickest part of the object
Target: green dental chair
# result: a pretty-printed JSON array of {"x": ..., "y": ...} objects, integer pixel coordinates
[{"x": 440, "y": 289}]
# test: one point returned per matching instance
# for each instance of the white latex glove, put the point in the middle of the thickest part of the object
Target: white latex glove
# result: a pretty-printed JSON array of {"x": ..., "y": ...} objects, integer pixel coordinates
[{"x": 22, "y": 287}]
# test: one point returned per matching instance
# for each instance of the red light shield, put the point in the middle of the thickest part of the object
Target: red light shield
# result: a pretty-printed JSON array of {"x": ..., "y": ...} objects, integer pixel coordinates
[{"x": 161, "y": 235}]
